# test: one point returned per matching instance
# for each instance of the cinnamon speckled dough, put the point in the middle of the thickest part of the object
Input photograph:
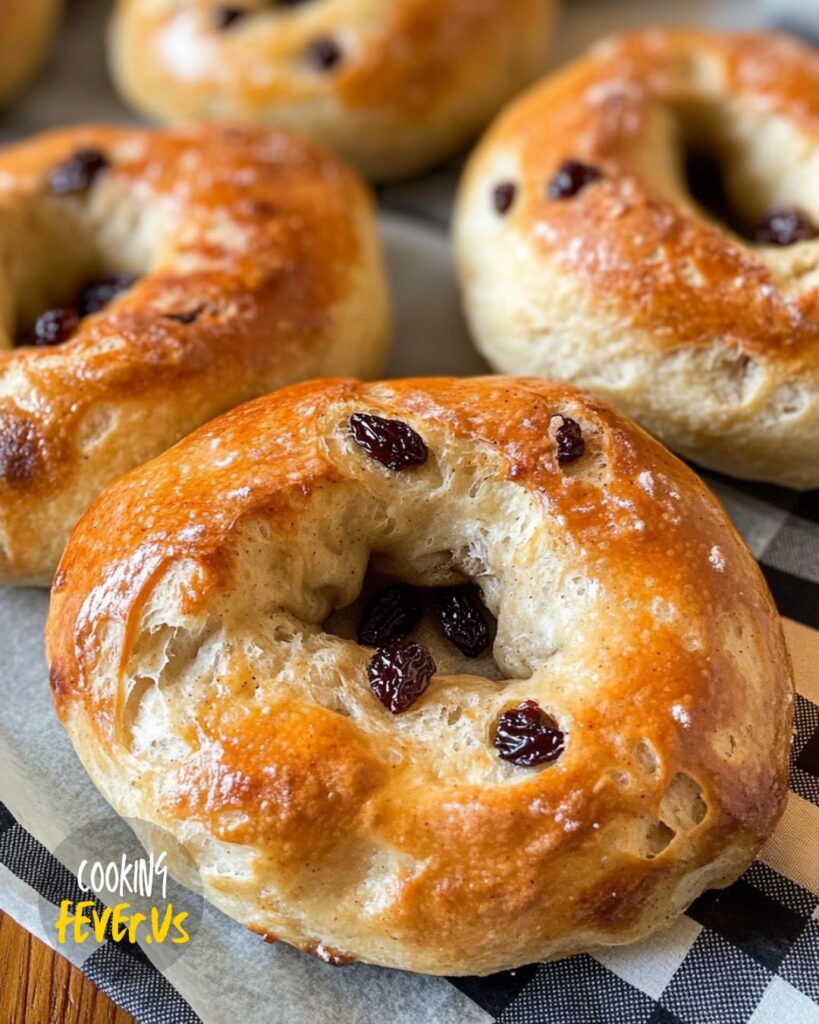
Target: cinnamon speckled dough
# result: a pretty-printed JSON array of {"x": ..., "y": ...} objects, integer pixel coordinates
[
  {"x": 393, "y": 85},
  {"x": 257, "y": 263},
  {"x": 631, "y": 288},
  {"x": 27, "y": 29},
  {"x": 191, "y": 670}
]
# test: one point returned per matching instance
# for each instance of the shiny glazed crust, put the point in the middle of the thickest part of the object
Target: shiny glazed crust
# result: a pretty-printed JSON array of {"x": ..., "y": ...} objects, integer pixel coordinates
[
  {"x": 630, "y": 287},
  {"x": 416, "y": 78},
  {"x": 190, "y": 668},
  {"x": 257, "y": 264},
  {"x": 26, "y": 31}
]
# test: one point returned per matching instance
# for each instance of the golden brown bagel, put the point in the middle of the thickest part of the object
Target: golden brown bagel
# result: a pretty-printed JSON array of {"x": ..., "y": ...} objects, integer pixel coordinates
[
  {"x": 257, "y": 264},
  {"x": 706, "y": 334},
  {"x": 191, "y": 669},
  {"x": 393, "y": 85},
  {"x": 26, "y": 31}
]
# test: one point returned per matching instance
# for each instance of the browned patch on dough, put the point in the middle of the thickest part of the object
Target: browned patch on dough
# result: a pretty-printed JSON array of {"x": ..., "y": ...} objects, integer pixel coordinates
[{"x": 20, "y": 455}]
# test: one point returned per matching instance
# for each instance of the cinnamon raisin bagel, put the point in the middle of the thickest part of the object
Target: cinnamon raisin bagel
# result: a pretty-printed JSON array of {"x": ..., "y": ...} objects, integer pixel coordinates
[
  {"x": 150, "y": 280},
  {"x": 644, "y": 223},
  {"x": 393, "y": 85},
  {"x": 26, "y": 31},
  {"x": 445, "y": 675}
]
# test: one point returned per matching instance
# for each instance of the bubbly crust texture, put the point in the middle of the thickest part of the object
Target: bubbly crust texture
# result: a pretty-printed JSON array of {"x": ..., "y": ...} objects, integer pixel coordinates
[
  {"x": 630, "y": 287},
  {"x": 257, "y": 264},
  {"x": 393, "y": 85},
  {"x": 27, "y": 30},
  {"x": 190, "y": 666}
]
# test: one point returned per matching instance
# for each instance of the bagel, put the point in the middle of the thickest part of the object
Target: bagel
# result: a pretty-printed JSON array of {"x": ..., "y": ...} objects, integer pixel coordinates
[
  {"x": 231, "y": 261},
  {"x": 435, "y": 804},
  {"x": 393, "y": 85},
  {"x": 27, "y": 29},
  {"x": 644, "y": 224}
]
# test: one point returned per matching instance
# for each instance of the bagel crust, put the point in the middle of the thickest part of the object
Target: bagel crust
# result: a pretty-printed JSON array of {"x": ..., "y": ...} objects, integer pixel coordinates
[
  {"x": 256, "y": 264},
  {"x": 27, "y": 30},
  {"x": 707, "y": 334},
  {"x": 190, "y": 666},
  {"x": 393, "y": 85}
]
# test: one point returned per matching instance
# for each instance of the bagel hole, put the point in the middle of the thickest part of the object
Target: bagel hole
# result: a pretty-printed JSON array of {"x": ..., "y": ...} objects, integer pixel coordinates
[
  {"x": 739, "y": 165},
  {"x": 61, "y": 246},
  {"x": 72, "y": 294},
  {"x": 705, "y": 180},
  {"x": 344, "y": 622}
]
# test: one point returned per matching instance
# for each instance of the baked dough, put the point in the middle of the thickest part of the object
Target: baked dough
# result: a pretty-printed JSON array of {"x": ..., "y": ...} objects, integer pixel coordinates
[
  {"x": 191, "y": 669},
  {"x": 393, "y": 85},
  {"x": 622, "y": 281},
  {"x": 27, "y": 29},
  {"x": 256, "y": 264}
]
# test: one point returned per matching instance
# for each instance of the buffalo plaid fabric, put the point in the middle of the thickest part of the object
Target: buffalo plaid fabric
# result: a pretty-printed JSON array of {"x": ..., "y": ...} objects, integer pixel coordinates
[{"x": 744, "y": 955}]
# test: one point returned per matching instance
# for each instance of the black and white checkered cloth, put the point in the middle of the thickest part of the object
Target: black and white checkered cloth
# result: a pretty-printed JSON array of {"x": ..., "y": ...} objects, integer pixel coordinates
[{"x": 748, "y": 954}]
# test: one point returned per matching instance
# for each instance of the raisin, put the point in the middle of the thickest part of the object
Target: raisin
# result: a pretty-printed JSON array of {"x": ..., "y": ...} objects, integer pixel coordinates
[
  {"x": 399, "y": 673},
  {"x": 77, "y": 173},
  {"x": 569, "y": 440},
  {"x": 527, "y": 736},
  {"x": 54, "y": 326},
  {"x": 391, "y": 442},
  {"x": 464, "y": 618},
  {"x": 785, "y": 225},
  {"x": 503, "y": 195},
  {"x": 95, "y": 295},
  {"x": 571, "y": 177},
  {"x": 324, "y": 54},
  {"x": 224, "y": 17},
  {"x": 389, "y": 615}
]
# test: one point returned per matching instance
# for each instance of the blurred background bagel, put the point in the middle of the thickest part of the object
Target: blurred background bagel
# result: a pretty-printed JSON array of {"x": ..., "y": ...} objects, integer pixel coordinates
[
  {"x": 393, "y": 85},
  {"x": 150, "y": 279},
  {"x": 27, "y": 28},
  {"x": 645, "y": 223}
]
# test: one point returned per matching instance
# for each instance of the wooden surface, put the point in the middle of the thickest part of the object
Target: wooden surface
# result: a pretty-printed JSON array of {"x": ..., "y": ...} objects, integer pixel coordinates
[{"x": 38, "y": 986}]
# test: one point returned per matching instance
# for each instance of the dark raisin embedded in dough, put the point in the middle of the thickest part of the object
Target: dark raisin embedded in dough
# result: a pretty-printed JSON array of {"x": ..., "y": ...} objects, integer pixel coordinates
[
  {"x": 527, "y": 736},
  {"x": 77, "y": 173},
  {"x": 224, "y": 17},
  {"x": 568, "y": 437},
  {"x": 785, "y": 225},
  {"x": 324, "y": 53},
  {"x": 463, "y": 618},
  {"x": 391, "y": 442},
  {"x": 95, "y": 295},
  {"x": 503, "y": 195},
  {"x": 54, "y": 326},
  {"x": 571, "y": 177},
  {"x": 399, "y": 673},
  {"x": 389, "y": 615}
]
